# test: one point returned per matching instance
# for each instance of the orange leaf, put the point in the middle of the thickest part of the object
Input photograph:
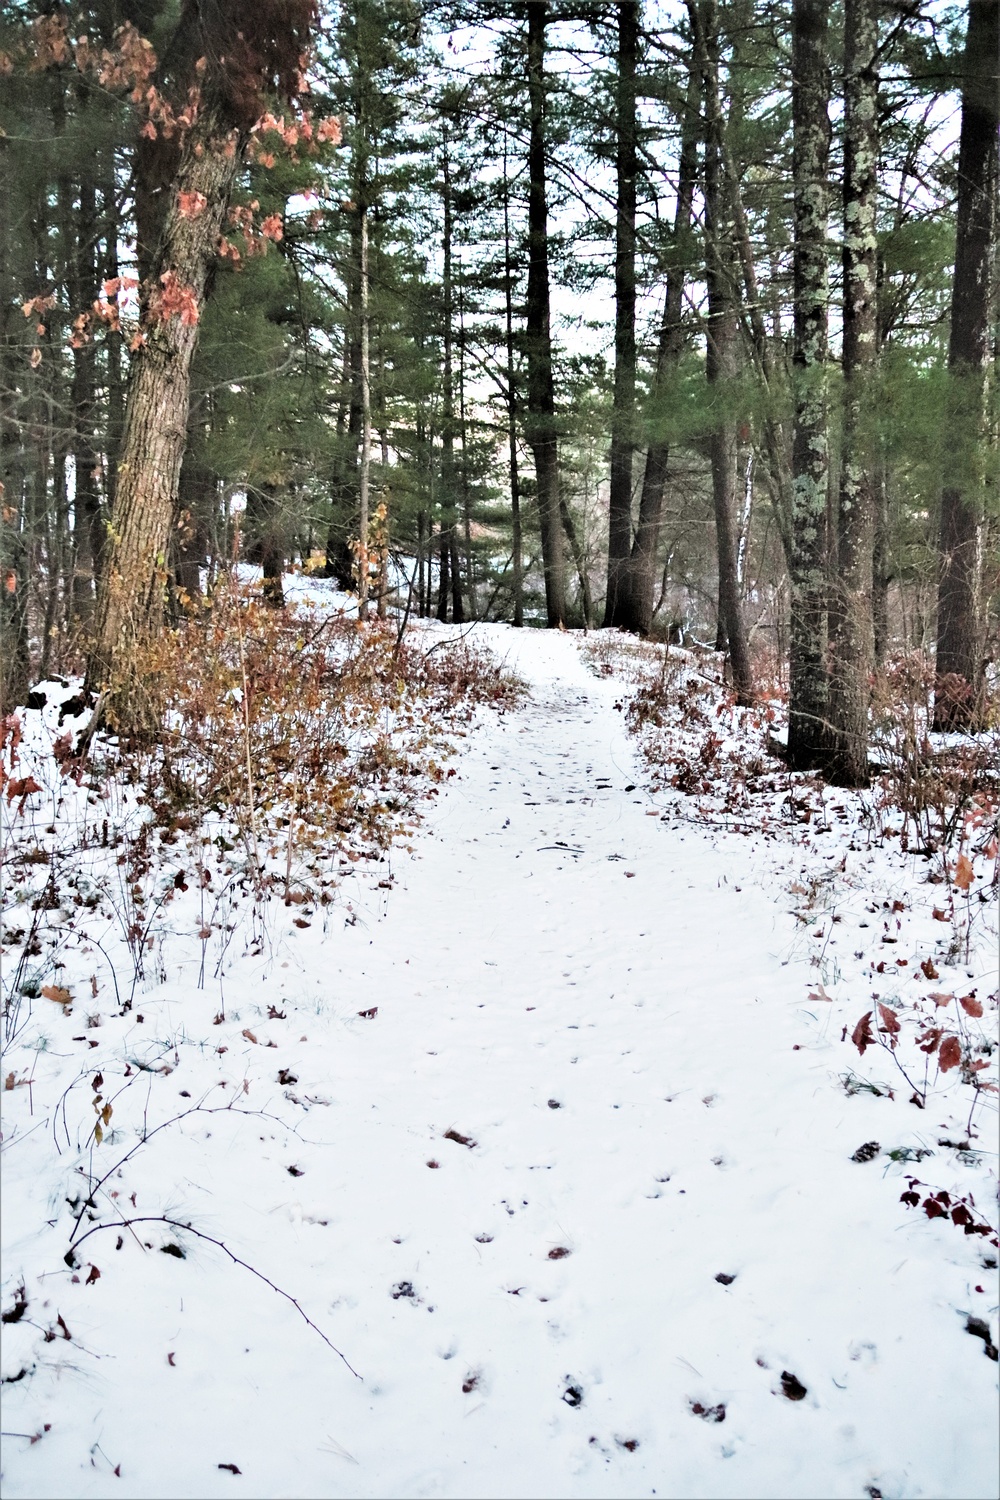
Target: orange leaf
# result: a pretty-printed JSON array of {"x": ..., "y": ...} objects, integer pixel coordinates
[
  {"x": 57, "y": 993},
  {"x": 963, "y": 875},
  {"x": 191, "y": 204}
]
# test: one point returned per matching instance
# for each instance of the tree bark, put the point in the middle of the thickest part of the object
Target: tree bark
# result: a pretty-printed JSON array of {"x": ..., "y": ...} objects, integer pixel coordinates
[
  {"x": 130, "y": 596},
  {"x": 517, "y": 545},
  {"x": 959, "y": 697},
  {"x": 616, "y": 610},
  {"x": 364, "y": 473},
  {"x": 637, "y": 614},
  {"x": 853, "y": 632},
  {"x": 808, "y": 695},
  {"x": 88, "y": 529},
  {"x": 540, "y": 424},
  {"x": 580, "y": 561},
  {"x": 721, "y": 362}
]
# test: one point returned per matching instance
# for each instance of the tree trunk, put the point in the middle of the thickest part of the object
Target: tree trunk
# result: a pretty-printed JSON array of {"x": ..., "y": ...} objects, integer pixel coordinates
[
  {"x": 266, "y": 546},
  {"x": 959, "y": 696},
  {"x": 808, "y": 695},
  {"x": 853, "y": 637},
  {"x": 130, "y": 597},
  {"x": 541, "y": 424},
  {"x": 515, "y": 483},
  {"x": 450, "y": 580},
  {"x": 580, "y": 560},
  {"x": 364, "y": 473},
  {"x": 88, "y": 529},
  {"x": 14, "y": 655},
  {"x": 721, "y": 362},
  {"x": 616, "y": 608},
  {"x": 638, "y": 612}
]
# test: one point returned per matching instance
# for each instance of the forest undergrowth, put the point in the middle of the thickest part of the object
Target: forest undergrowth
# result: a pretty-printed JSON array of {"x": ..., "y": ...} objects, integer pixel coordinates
[
  {"x": 285, "y": 747},
  {"x": 894, "y": 889},
  {"x": 295, "y": 750}
]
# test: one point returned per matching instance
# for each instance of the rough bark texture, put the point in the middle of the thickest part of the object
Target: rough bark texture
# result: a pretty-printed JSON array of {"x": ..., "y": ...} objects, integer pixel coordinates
[
  {"x": 451, "y": 580},
  {"x": 88, "y": 529},
  {"x": 636, "y": 609},
  {"x": 616, "y": 610},
  {"x": 808, "y": 698},
  {"x": 853, "y": 643},
  {"x": 540, "y": 424},
  {"x": 960, "y": 648},
  {"x": 721, "y": 361},
  {"x": 517, "y": 544},
  {"x": 130, "y": 597},
  {"x": 364, "y": 472}
]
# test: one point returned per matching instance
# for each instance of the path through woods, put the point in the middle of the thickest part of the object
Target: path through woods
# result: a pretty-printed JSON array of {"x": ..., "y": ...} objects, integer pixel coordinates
[{"x": 577, "y": 1203}]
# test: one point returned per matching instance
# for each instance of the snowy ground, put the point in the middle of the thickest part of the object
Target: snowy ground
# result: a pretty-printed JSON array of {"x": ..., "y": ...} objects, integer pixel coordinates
[{"x": 560, "y": 1160}]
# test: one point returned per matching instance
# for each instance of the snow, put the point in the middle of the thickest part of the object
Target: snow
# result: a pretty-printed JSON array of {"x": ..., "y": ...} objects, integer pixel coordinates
[{"x": 619, "y": 1012}]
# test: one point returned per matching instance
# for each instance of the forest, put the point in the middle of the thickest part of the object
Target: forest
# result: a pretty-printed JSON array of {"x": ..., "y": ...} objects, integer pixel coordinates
[
  {"x": 500, "y": 747},
  {"x": 678, "y": 321}
]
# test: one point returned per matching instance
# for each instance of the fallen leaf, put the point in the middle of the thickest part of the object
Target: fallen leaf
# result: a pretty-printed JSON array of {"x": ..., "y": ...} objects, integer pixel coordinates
[
  {"x": 949, "y": 1053},
  {"x": 791, "y": 1386},
  {"x": 57, "y": 993},
  {"x": 963, "y": 875},
  {"x": 971, "y": 1005},
  {"x": 861, "y": 1036},
  {"x": 249, "y": 1035}
]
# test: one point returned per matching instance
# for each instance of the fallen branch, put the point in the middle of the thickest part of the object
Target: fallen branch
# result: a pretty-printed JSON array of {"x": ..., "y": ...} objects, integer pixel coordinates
[{"x": 199, "y": 1234}]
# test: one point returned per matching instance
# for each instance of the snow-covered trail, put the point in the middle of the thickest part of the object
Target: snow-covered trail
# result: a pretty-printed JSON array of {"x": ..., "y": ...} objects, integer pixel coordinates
[{"x": 613, "y": 1012}]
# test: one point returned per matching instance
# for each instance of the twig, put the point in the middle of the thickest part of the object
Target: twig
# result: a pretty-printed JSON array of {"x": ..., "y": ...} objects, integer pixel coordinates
[{"x": 199, "y": 1234}]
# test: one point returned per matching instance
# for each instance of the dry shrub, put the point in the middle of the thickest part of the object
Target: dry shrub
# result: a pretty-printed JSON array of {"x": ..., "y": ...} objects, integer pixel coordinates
[
  {"x": 457, "y": 677},
  {"x": 291, "y": 727},
  {"x": 946, "y": 788}
]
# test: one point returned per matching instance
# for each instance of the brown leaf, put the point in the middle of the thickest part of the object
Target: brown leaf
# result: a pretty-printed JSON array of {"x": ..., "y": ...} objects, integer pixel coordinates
[
  {"x": 791, "y": 1386},
  {"x": 950, "y": 1053},
  {"x": 940, "y": 998},
  {"x": 889, "y": 1019},
  {"x": 929, "y": 970},
  {"x": 971, "y": 1005},
  {"x": 249, "y": 1035},
  {"x": 862, "y": 1036},
  {"x": 963, "y": 875},
  {"x": 57, "y": 993},
  {"x": 939, "y": 915},
  {"x": 92, "y": 1276}
]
